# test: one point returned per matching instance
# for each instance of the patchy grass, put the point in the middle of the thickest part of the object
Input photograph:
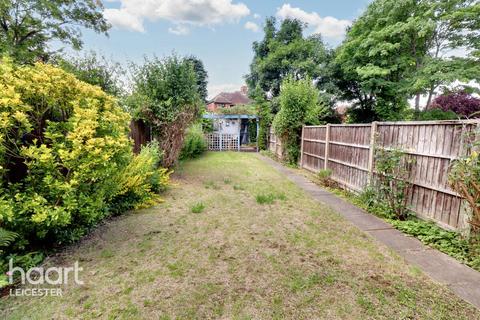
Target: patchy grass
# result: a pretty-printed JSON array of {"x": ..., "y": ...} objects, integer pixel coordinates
[
  {"x": 198, "y": 207},
  {"x": 265, "y": 198},
  {"x": 270, "y": 198},
  {"x": 238, "y": 187},
  {"x": 292, "y": 259}
]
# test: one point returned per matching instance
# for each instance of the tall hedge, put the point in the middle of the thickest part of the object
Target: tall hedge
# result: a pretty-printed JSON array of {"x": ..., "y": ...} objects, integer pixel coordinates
[
  {"x": 299, "y": 105},
  {"x": 166, "y": 97},
  {"x": 64, "y": 149}
]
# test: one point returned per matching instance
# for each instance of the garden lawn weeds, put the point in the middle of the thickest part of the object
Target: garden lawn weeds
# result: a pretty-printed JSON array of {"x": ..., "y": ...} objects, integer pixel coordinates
[{"x": 291, "y": 259}]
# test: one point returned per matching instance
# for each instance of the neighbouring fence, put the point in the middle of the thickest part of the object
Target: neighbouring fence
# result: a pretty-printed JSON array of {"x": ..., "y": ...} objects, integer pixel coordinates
[
  {"x": 222, "y": 142},
  {"x": 348, "y": 151},
  {"x": 274, "y": 144},
  {"x": 140, "y": 133}
]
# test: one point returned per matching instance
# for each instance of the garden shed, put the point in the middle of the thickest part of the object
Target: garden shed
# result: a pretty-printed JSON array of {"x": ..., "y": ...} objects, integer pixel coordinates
[{"x": 234, "y": 132}]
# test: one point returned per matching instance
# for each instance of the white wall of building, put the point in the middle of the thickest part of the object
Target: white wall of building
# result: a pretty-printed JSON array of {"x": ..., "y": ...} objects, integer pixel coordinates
[{"x": 226, "y": 126}]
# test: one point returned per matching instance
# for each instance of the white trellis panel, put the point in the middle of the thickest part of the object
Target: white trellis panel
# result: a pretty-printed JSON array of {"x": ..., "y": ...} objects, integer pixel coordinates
[{"x": 222, "y": 142}]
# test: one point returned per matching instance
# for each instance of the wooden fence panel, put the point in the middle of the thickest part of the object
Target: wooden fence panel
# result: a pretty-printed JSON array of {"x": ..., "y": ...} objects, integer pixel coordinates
[
  {"x": 140, "y": 133},
  {"x": 348, "y": 151},
  {"x": 348, "y": 155},
  {"x": 314, "y": 147},
  {"x": 275, "y": 145},
  {"x": 432, "y": 146}
]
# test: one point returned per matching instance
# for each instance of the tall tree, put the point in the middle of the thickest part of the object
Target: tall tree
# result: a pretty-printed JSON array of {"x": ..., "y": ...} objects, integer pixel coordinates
[
  {"x": 202, "y": 76},
  {"x": 395, "y": 50},
  {"x": 96, "y": 70},
  {"x": 27, "y": 26},
  {"x": 166, "y": 97},
  {"x": 282, "y": 53}
]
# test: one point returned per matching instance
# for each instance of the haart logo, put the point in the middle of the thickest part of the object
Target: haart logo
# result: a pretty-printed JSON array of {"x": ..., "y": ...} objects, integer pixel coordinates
[{"x": 39, "y": 276}]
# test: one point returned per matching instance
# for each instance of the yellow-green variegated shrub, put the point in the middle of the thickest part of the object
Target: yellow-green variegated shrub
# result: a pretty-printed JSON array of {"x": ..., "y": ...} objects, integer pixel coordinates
[
  {"x": 65, "y": 156},
  {"x": 142, "y": 179}
]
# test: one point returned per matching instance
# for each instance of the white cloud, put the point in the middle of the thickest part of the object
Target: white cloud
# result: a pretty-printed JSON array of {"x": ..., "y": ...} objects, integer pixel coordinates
[
  {"x": 179, "y": 30},
  {"x": 214, "y": 89},
  {"x": 132, "y": 13},
  {"x": 123, "y": 19},
  {"x": 257, "y": 16},
  {"x": 252, "y": 26},
  {"x": 329, "y": 27}
]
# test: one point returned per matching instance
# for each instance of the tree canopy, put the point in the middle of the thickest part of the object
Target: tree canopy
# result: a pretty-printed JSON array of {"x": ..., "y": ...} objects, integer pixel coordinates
[
  {"x": 284, "y": 52},
  {"x": 399, "y": 49},
  {"x": 96, "y": 70},
  {"x": 28, "y": 26},
  {"x": 202, "y": 76}
]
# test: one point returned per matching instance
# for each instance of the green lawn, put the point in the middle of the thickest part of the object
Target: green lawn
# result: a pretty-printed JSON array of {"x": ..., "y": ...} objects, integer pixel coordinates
[{"x": 236, "y": 240}]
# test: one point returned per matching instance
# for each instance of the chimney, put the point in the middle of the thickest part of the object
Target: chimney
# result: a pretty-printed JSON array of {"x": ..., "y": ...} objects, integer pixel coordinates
[{"x": 244, "y": 90}]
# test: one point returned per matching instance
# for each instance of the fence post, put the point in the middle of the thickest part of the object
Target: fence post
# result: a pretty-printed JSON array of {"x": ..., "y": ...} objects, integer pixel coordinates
[
  {"x": 327, "y": 140},
  {"x": 221, "y": 141},
  {"x": 239, "y": 132},
  {"x": 301, "y": 147},
  {"x": 371, "y": 150}
]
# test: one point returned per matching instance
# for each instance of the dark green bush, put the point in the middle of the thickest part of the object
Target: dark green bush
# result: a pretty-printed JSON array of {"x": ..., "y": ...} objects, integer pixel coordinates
[
  {"x": 436, "y": 114},
  {"x": 299, "y": 105},
  {"x": 194, "y": 144}
]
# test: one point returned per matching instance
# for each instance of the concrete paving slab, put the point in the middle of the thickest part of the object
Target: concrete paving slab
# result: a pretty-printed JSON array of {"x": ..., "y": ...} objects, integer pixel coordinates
[
  {"x": 467, "y": 291},
  {"x": 441, "y": 267},
  {"x": 397, "y": 240},
  {"x": 462, "y": 280},
  {"x": 366, "y": 222}
]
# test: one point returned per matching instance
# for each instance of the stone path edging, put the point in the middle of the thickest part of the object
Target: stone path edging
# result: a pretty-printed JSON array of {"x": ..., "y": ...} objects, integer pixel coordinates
[{"x": 462, "y": 280}]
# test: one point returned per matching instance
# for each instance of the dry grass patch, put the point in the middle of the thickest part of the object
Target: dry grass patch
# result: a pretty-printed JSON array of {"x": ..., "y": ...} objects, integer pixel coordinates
[{"x": 290, "y": 259}]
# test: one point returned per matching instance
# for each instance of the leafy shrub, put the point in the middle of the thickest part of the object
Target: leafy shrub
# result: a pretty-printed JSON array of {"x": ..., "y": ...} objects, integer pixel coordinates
[
  {"x": 264, "y": 110},
  {"x": 141, "y": 180},
  {"x": 436, "y": 114},
  {"x": 166, "y": 97},
  {"x": 390, "y": 185},
  {"x": 460, "y": 102},
  {"x": 66, "y": 161},
  {"x": 449, "y": 242},
  {"x": 371, "y": 201},
  {"x": 298, "y": 106},
  {"x": 96, "y": 70},
  {"x": 207, "y": 125},
  {"x": 324, "y": 177},
  {"x": 64, "y": 143},
  {"x": 6, "y": 238},
  {"x": 194, "y": 144},
  {"x": 252, "y": 131}
]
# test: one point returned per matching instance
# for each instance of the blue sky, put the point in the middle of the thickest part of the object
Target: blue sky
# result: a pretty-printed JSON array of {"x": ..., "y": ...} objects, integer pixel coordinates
[{"x": 220, "y": 32}]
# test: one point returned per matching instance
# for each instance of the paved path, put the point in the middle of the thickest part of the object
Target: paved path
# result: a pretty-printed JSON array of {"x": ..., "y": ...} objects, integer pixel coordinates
[{"x": 462, "y": 280}]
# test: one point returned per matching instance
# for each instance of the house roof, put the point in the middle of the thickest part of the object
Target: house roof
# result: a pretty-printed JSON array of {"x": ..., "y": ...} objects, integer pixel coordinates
[
  {"x": 229, "y": 116},
  {"x": 235, "y": 98}
]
